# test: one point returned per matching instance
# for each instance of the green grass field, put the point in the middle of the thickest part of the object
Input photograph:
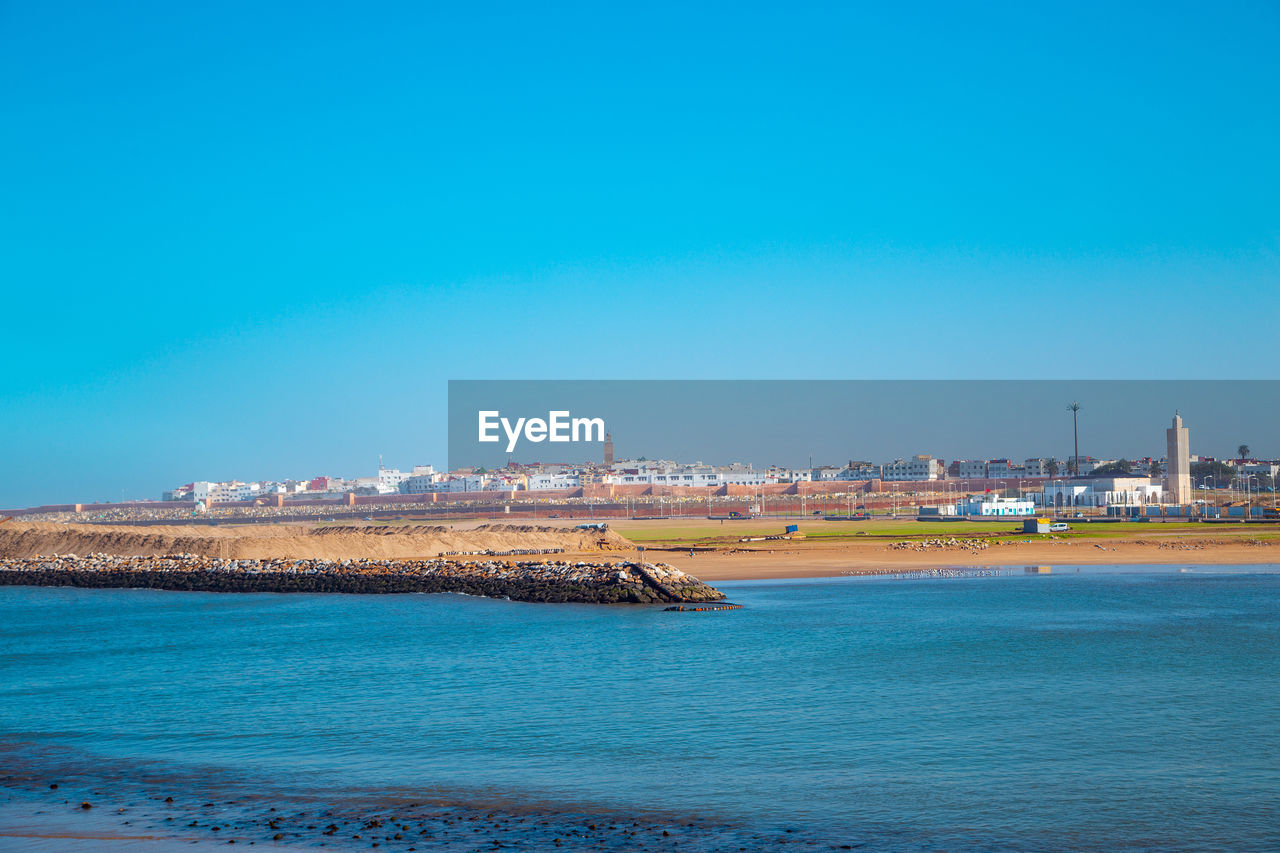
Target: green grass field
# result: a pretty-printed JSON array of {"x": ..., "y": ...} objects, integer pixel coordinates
[{"x": 710, "y": 532}]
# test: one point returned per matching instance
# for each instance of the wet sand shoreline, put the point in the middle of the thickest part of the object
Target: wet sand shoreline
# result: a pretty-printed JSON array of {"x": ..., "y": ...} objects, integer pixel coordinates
[
  {"x": 818, "y": 563},
  {"x": 63, "y": 806}
]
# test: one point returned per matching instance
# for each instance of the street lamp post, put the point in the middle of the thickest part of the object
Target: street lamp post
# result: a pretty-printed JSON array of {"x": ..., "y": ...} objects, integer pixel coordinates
[
  {"x": 1204, "y": 486},
  {"x": 1074, "y": 408},
  {"x": 1248, "y": 499}
]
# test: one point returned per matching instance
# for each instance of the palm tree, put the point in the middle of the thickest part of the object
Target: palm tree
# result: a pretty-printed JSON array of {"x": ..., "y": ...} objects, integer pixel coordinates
[
  {"x": 1154, "y": 468},
  {"x": 1074, "y": 465},
  {"x": 1242, "y": 451},
  {"x": 1052, "y": 467}
]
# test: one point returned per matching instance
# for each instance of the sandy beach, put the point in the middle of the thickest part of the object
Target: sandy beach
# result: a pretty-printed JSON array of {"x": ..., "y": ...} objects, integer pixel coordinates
[{"x": 710, "y": 549}]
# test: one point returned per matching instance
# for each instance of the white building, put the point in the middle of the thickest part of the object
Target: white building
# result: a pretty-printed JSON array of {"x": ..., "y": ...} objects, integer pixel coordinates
[
  {"x": 800, "y": 475},
  {"x": 738, "y": 474},
  {"x": 1038, "y": 466},
  {"x": 920, "y": 467},
  {"x": 543, "y": 481},
  {"x": 376, "y": 486},
  {"x": 689, "y": 477},
  {"x": 1004, "y": 469},
  {"x": 421, "y": 484},
  {"x": 860, "y": 471},
  {"x": 970, "y": 469},
  {"x": 389, "y": 479},
  {"x": 467, "y": 483},
  {"x": 1265, "y": 472},
  {"x": 667, "y": 474},
  {"x": 627, "y": 478},
  {"x": 233, "y": 490},
  {"x": 993, "y": 505},
  {"x": 506, "y": 482},
  {"x": 1085, "y": 465},
  {"x": 1099, "y": 492}
]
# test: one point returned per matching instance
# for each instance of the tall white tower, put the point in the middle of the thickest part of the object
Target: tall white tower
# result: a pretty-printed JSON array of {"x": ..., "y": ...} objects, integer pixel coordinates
[{"x": 1178, "y": 452}]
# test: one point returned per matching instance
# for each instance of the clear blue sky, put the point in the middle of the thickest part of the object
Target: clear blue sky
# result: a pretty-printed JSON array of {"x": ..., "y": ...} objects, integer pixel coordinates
[{"x": 254, "y": 240}]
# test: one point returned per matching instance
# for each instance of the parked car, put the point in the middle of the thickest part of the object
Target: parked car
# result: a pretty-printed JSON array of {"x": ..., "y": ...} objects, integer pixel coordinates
[{"x": 1059, "y": 527}]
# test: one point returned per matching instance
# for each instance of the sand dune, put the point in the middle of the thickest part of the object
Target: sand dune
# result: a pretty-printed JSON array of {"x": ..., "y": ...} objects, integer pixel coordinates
[{"x": 331, "y": 543}]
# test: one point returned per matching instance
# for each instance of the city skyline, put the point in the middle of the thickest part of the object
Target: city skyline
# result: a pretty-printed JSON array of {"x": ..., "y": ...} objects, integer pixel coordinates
[
  {"x": 780, "y": 473},
  {"x": 775, "y": 422}
]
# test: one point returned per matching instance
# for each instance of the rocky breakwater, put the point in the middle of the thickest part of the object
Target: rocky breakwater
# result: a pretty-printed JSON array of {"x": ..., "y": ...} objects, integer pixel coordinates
[{"x": 600, "y": 582}]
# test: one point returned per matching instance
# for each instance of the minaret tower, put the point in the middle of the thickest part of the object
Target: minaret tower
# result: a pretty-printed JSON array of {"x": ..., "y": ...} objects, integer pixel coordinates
[
  {"x": 1178, "y": 472},
  {"x": 608, "y": 448}
]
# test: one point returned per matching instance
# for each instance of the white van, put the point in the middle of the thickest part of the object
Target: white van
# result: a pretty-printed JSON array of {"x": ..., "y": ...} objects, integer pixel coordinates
[{"x": 1059, "y": 527}]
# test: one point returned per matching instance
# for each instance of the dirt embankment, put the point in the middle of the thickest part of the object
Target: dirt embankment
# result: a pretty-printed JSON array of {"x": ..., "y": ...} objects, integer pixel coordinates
[{"x": 328, "y": 543}]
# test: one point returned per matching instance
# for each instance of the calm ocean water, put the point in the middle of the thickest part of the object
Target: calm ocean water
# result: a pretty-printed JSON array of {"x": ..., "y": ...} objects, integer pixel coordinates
[{"x": 1113, "y": 708}]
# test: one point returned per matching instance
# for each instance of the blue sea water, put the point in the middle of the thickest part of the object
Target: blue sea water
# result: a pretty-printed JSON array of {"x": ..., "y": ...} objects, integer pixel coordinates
[{"x": 1114, "y": 708}]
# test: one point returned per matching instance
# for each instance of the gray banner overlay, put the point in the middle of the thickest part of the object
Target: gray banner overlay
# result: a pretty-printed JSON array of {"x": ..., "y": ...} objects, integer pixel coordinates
[{"x": 779, "y": 422}]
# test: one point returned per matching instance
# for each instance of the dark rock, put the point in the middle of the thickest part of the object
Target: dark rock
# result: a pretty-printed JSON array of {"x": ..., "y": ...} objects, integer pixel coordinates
[{"x": 604, "y": 582}]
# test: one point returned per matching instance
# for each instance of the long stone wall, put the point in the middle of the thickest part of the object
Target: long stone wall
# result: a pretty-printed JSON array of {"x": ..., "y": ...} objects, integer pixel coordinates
[{"x": 599, "y": 582}]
